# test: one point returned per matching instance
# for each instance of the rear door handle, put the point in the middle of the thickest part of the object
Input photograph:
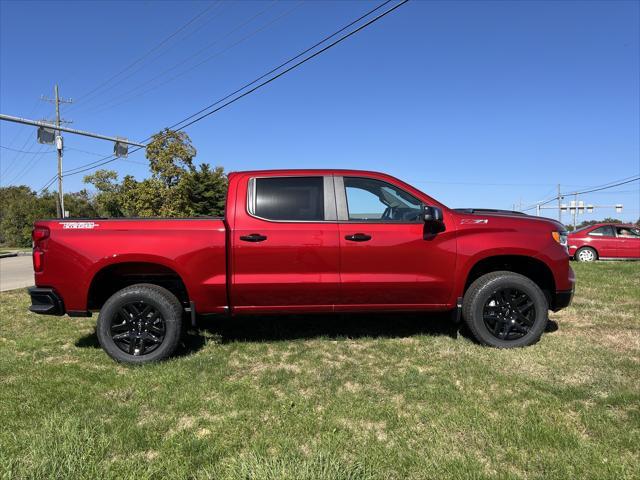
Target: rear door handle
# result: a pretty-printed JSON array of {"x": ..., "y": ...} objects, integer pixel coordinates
[
  {"x": 254, "y": 237},
  {"x": 358, "y": 237}
]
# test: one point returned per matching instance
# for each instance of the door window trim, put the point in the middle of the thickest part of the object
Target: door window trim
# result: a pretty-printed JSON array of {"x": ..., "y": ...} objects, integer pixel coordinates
[
  {"x": 617, "y": 235},
  {"x": 330, "y": 212},
  {"x": 343, "y": 208},
  {"x": 611, "y": 228}
]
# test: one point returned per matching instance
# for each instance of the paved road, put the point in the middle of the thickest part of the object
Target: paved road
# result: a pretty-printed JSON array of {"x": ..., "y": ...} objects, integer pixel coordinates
[{"x": 15, "y": 272}]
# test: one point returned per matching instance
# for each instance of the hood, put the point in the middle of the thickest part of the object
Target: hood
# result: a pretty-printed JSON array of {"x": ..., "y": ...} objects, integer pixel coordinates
[{"x": 489, "y": 216}]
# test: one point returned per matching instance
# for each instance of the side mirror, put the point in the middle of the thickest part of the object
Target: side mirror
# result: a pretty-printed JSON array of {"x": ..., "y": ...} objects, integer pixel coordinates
[{"x": 433, "y": 220}]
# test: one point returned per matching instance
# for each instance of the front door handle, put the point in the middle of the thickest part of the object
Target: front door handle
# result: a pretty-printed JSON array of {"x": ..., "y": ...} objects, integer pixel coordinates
[
  {"x": 358, "y": 237},
  {"x": 254, "y": 237}
]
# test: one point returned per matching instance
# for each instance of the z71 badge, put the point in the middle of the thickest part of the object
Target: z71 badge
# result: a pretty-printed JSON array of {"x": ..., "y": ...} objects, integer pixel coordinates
[
  {"x": 79, "y": 225},
  {"x": 474, "y": 221}
]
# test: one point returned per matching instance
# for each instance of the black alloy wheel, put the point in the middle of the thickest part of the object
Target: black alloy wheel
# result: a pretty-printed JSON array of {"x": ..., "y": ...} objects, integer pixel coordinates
[
  {"x": 509, "y": 314},
  {"x": 141, "y": 323},
  {"x": 137, "y": 328},
  {"x": 505, "y": 309}
]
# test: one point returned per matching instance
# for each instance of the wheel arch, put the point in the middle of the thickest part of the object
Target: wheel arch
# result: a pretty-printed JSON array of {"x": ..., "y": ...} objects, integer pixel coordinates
[
  {"x": 530, "y": 267},
  {"x": 116, "y": 276}
]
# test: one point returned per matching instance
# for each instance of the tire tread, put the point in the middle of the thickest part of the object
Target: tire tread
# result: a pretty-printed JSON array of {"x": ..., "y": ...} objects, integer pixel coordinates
[
  {"x": 475, "y": 289},
  {"x": 150, "y": 290}
]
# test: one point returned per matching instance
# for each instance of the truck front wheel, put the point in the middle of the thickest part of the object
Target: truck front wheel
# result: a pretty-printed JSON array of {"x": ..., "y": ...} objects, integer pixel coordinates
[
  {"x": 139, "y": 324},
  {"x": 505, "y": 310}
]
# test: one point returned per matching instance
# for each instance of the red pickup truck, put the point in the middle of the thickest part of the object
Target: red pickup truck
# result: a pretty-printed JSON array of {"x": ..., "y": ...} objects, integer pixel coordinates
[{"x": 304, "y": 241}]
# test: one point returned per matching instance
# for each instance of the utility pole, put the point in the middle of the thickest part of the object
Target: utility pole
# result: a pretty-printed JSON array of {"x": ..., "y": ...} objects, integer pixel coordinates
[
  {"x": 59, "y": 149},
  {"x": 559, "y": 205},
  {"x": 50, "y": 133},
  {"x": 576, "y": 208},
  {"x": 59, "y": 143}
]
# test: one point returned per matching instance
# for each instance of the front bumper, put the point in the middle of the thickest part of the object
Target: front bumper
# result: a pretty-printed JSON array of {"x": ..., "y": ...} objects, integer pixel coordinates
[
  {"x": 46, "y": 301},
  {"x": 562, "y": 299}
]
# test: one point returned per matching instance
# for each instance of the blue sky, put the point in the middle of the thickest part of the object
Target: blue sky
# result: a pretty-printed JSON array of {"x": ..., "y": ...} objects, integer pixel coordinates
[{"x": 477, "y": 103}]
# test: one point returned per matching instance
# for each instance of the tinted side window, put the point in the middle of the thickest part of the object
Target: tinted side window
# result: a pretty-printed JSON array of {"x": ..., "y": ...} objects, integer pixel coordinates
[
  {"x": 370, "y": 200},
  {"x": 289, "y": 198},
  {"x": 606, "y": 231}
]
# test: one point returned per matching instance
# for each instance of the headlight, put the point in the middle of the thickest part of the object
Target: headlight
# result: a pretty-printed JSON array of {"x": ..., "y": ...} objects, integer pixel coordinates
[{"x": 560, "y": 237}]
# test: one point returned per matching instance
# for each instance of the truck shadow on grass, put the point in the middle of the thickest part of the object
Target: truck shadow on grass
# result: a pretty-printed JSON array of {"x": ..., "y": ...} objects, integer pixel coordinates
[
  {"x": 273, "y": 328},
  {"x": 270, "y": 328}
]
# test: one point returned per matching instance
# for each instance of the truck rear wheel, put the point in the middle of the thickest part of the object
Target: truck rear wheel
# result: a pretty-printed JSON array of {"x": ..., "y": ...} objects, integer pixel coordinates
[
  {"x": 141, "y": 323},
  {"x": 505, "y": 310}
]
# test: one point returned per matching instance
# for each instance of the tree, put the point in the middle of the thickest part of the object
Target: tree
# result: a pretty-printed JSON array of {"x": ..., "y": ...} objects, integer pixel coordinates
[
  {"x": 143, "y": 199},
  {"x": 107, "y": 200},
  {"x": 20, "y": 208},
  {"x": 170, "y": 155},
  {"x": 176, "y": 188},
  {"x": 79, "y": 205},
  {"x": 205, "y": 191}
]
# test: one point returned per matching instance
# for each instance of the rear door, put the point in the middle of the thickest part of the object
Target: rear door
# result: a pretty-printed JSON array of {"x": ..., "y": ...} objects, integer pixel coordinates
[
  {"x": 285, "y": 245},
  {"x": 385, "y": 259},
  {"x": 603, "y": 239}
]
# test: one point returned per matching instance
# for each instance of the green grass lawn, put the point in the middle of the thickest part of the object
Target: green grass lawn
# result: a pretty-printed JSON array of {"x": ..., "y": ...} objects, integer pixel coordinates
[{"x": 389, "y": 397}]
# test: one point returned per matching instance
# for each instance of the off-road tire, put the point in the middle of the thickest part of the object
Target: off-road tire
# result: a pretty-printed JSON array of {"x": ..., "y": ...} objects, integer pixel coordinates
[
  {"x": 162, "y": 301},
  {"x": 483, "y": 289}
]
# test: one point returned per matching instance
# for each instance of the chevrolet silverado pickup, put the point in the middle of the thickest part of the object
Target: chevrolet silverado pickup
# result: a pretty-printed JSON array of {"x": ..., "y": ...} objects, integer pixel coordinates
[{"x": 302, "y": 241}]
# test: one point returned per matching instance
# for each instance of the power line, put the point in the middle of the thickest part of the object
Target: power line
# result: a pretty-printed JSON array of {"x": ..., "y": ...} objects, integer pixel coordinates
[
  {"x": 20, "y": 130},
  {"x": 97, "y": 163},
  {"x": 48, "y": 184},
  {"x": 619, "y": 192},
  {"x": 18, "y": 155},
  {"x": 102, "y": 155},
  {"x": 86, "y": 107},
  {"x": 66, "y": 173},
  {"x": 127, "y": 97},
  {"x": 595, "y": 189},
  {"x": 144, "y": 56},
  {"x": 26, "y": 168},
  {"x": 604, "y": 188},
  {"x": 28, "y": 137},
  {"x": 483, "y": 184},
  {"x": 284, "y": 72},
  {"x": 111, "y": 158},
  {"x": 31, "y": 152}
]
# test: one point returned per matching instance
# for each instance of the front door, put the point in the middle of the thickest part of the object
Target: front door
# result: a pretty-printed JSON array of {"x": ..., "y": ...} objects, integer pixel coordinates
[
  {"x": 628, "y": 241},
  {"x": 285, "y": 245},
  {"x": 386, "y": 261},
  {"x": 603, "y": 239}
]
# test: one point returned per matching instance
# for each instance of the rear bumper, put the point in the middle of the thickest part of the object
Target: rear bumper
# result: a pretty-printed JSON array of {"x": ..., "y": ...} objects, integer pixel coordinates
[
  {"x": 46, "y": 301},
  {"x": 562, "y": 299}
]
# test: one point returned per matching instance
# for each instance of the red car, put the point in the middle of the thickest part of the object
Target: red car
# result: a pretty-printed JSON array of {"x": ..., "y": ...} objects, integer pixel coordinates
[
  {"x": 304, "y": 241},
  {"x": 605, "y": 241}
]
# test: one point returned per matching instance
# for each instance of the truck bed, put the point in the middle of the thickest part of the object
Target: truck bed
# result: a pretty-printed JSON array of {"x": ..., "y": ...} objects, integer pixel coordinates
[{"x": 80, "y": 252}]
